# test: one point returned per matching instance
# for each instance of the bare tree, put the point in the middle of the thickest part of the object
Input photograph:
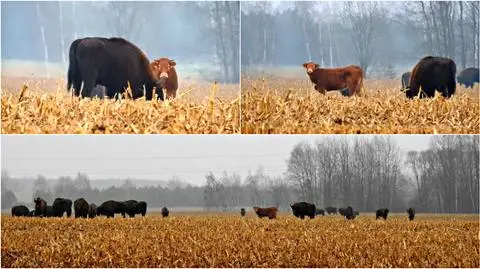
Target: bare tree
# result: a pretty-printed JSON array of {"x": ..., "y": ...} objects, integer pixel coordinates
[{"x": 363, "y": 21}]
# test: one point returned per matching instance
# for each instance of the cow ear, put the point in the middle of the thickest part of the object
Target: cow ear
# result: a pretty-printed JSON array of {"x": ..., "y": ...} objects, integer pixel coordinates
[
  {"x": 317, "y": 66},
  {"x": 305, "y": 65},
  {"x": 172, "y": 63}
]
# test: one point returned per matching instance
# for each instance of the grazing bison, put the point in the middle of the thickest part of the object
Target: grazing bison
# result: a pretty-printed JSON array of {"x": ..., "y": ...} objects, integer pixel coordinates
[
  {"x": 430, "y": 74},
  {"x": 347, "y": 212},
  {"x": 114, "y": 63},
  {"x": 405, "y": 79},
  {"x": 468, "y": 77},
  {"x": 270, "y": 212},
  {"x": 331, "y": 210},
  {"x": 134, "y": 207},
  {"x": 110, "y": 208},
  {"x": 243, "y": 212},
  {"x": 142, "y": 208},
  {"x": 319, "y": 212},
  {"x": 40, "y": 207},
  {"x": 164, "y": 68},
  {"x": 165, "y": 212},
  {"x": 382, "y": 213},
  {"x": 20, "y": 211},
  {"x": 92, "y": 211},
  {"x": 50, "y": 212},
  {"x": 302, "y": 209},
  {"x": 81, "y": 208},
  {"x": 61, "y": 205},
  {"x": 347, "y": 79},
  {"x": 411, "y": 213}
]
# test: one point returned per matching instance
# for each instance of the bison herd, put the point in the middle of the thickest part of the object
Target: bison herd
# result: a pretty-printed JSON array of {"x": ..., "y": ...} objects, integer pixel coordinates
[
  {"x": 430, "y": 74},
  {"x": 83, "y": 209},
  {"x": 304, "y": 209},
  {"x": 117, "y": 65},
  {"x": 132, "y": 207}
]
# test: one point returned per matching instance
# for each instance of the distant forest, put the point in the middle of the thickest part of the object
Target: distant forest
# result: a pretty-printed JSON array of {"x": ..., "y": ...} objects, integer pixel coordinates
[
  {"x": 383, "y": 38},
  {"x": 366, "y": 173}
]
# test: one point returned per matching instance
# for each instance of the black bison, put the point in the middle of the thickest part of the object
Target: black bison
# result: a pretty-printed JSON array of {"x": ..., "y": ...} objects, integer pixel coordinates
[
  {"x": 92, "y": 210},
  {"x": 319, "y": 212},
  {"x": 430, "y": 74},
  {"x": 40, "y": 207},
  {"x": 133, "y": 207},
  {"x": 243, "y": 212},
  {"x": 347, "y": 212},
  {"x": 110, "y": 208},
  {"x": 142, "y": 208},
  {"x": 302, "y": 209},
  {"x": 411, "y": 213},
  {"x": 468, "y": 77},
  {"x": 114, "y": 63},
  {"x": 270, "y": 212},
  {"x": 81, "y": 208},
  {"x": 382, "y": 213},
  {"x": 61, "y": 205},
  {"x": 50, "y": 212},
  {"x": 331, "y": 210},
  {"x": 165, "y": 212},
  {"x": 20, "y": 211},
  {"x": 405, "y": 79}
]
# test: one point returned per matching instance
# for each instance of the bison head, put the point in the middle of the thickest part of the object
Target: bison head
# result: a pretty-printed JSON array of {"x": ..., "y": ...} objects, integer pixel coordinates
[{"x": 311, "y": 66}]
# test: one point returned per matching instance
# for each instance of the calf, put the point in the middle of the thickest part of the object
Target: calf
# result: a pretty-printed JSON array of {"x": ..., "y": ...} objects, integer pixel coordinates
[{"x": 347, "y": 79}]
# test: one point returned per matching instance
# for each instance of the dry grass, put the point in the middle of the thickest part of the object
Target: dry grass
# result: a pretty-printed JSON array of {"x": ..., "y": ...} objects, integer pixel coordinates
[
  {"x": 277, "y": 105},
  {"x": 230, "y": 241},
  {"x": 44, "y": 107}
]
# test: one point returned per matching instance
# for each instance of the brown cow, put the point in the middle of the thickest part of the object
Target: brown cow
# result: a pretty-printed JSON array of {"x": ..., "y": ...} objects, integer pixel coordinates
[
  {"x": 165, "y": 68},
  {"x": 348, "y": 80},
  {"x": 270, "y": 212}
]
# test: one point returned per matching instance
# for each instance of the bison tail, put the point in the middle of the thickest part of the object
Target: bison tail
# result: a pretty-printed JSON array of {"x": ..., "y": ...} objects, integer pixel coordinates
[{"x": 73, "y": 66}]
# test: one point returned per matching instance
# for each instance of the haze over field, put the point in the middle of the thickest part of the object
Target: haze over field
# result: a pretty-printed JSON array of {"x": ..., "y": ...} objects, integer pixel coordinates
[
  {"x": 36, "y": 35},
  {"x": 385, "y": 38}
]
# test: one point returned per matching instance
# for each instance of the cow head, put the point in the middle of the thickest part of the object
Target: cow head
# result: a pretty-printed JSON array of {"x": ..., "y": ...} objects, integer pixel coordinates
[
  {"x": 311, "y": 66},
  {"x": 161, "y": 68}
]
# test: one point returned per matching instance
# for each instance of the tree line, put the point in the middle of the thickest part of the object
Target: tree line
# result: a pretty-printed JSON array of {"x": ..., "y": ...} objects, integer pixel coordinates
[
  {"x": 188, "y": 32},
  {"x": 377, "y": 36}
]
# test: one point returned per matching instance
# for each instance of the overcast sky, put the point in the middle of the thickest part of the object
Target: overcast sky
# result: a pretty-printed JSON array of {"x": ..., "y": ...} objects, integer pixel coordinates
[{"x": 160, "y": 157}]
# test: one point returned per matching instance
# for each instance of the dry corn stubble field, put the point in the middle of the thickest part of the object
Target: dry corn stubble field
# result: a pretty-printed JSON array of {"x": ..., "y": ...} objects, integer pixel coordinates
[
  {"x": 227, "y": 240},
  {"x": 45, "y": 107},
  {"x": 291, "y": 105}
]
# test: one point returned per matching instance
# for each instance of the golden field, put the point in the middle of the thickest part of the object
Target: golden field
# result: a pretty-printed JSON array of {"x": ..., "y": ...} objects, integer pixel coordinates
[
  {"x": 227, "y": 240},
  {"x": 288, "y": 105},
  {"x": 35, "y": 106}
]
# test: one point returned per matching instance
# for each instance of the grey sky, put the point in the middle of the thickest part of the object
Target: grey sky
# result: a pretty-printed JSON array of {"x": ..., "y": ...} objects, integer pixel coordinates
[{"x": 160, "y": 157}]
